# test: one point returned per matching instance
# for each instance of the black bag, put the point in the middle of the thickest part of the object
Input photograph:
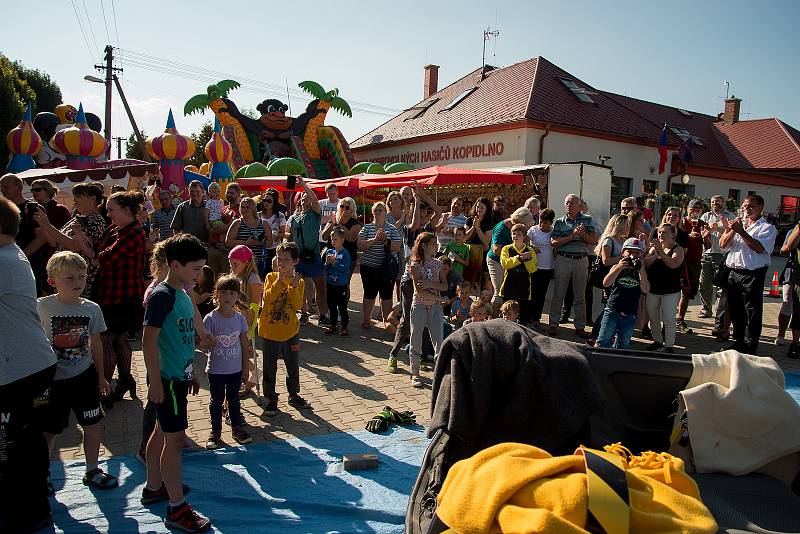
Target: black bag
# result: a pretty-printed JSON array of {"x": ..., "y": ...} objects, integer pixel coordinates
[
  {"x": 721, "y": 278},
  {"x": 391, "y": 265},
  {"x": 598, "y": 272}
]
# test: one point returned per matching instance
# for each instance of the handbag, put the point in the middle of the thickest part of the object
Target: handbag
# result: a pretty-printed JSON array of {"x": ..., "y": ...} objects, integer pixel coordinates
[
  {"x": 391, "y": 265},
  {"x": 721, "y": 278},
  {"x": 598, "y": 272}
]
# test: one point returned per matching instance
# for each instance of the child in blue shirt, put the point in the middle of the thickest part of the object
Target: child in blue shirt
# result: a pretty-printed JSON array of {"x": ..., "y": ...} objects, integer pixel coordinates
[{"x": 337, "y": 280}]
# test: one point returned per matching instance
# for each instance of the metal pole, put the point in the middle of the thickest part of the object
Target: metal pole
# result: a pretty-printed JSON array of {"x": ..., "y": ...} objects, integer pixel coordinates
[
  {"x": 109, "y": 73},
  {"x": 139, "y": 137}
]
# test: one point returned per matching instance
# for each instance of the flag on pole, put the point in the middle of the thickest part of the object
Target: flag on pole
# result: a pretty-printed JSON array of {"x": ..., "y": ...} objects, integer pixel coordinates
[
  {"x": 685, "y": 151},
  {"x": 662, "y": 150}
]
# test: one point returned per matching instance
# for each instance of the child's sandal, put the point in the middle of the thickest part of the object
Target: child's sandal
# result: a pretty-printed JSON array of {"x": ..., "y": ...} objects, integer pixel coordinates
[{"x": 100, "y": 480}]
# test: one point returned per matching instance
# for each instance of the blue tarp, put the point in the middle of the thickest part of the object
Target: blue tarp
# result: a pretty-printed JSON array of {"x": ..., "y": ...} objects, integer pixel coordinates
[
  {"x": 793, "y": 384},
  {"x": 279, "y": 486}
]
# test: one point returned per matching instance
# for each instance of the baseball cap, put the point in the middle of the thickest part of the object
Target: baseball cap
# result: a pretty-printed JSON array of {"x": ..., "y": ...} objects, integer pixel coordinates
[
  {"x": 633, "y": 243},
  {"x": 695, "y": 203}
]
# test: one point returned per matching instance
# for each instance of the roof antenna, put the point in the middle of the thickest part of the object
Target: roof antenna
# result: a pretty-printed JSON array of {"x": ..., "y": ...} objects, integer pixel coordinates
[
  {"x": 488, "y": 33},
  {"x": 727, "y": 85}
]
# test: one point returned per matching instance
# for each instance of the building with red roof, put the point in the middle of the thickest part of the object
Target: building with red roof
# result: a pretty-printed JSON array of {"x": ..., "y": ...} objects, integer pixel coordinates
[{"x": 534, "y": 112}]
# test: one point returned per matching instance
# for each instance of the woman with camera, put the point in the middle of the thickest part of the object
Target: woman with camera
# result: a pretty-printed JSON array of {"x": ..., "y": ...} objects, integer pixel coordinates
[
  {"x": 251, "y": 231},
  {"x": 664, "y": 265}
]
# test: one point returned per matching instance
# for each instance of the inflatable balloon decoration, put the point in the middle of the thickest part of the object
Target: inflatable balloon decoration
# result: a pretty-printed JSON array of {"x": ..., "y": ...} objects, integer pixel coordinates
[
  {"x": 79, "y": 143},
  {"x": 170, "y": 149},
  {"x": 23, "y": 143}
]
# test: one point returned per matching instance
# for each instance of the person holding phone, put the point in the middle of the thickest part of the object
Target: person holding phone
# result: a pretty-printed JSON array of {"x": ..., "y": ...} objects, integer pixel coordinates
[{"x": 250, "y": 230}]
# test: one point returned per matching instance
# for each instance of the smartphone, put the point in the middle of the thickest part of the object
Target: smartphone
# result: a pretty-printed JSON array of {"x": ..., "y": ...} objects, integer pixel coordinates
[
  {"x": 261, "y": 236},
  {"x": 291, "y": 182}
]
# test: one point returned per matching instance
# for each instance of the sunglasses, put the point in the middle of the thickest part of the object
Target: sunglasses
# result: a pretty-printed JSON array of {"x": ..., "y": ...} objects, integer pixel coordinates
[
  {"x": 36, "y": 189},
  {"x": 267, "y": 201},
  {"x": 343, "y": 207},
  {"x": 378, "y": 211}
]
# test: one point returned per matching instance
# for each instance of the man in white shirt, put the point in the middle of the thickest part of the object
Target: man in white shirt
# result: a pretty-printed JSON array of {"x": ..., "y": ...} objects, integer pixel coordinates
[
  {"x": 328, "y": 206},
  {"x": 749, "y": 243},
  {"x": 713, "y": 255},
  {"x": 456, "y": 218}
]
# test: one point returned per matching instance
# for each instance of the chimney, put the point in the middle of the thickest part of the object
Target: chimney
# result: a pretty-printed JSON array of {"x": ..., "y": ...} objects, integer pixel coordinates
[
  {"x": 431, "y": 80},
  {"x": 731, "y": 114}
]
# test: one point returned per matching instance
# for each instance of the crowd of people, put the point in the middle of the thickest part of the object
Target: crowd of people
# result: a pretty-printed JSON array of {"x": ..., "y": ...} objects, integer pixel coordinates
[{"x": 243, "y": 275}]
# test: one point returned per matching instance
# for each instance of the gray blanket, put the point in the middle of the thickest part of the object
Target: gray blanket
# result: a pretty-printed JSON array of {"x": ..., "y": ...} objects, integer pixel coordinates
[{"x": 496, "y": 381}]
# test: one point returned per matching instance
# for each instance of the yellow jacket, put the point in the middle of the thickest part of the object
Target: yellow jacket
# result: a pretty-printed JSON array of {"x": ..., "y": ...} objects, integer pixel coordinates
[
  {"x": 513, "y": 487},
  {"x": 282, "y": 300},
  {"x": 509, "y": 260}
]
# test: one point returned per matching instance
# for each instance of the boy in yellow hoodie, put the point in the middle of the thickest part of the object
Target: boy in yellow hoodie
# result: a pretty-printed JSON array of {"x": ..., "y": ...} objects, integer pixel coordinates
[{"x": 279, "y": 326}]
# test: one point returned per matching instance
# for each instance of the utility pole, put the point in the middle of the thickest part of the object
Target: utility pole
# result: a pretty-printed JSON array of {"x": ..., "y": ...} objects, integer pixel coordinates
[
  {"x": 488, "y": 33},
  {"x": 119, "y": 141},
  {"x": 136, "y": 132},
  {"x": 109, "y": 68}
]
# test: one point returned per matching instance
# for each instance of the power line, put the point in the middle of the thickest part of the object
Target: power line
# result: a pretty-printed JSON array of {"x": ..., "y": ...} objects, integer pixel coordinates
[
  {"x": 147, "y": 61},
  {"x": 103, "y": 7},
  {"x": 89, "y": 24},
  {"x": 116, "y": 30},
  {"x": 83, "y": 33},
  {"x": 261, "y": 91}
]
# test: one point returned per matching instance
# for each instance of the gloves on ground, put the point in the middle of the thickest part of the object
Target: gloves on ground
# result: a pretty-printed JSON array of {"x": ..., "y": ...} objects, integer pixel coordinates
[{"x": 381, "y": 420}]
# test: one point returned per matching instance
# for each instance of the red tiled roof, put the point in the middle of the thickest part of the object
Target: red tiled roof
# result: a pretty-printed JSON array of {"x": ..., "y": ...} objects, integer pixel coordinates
[
  {"x": 760, "y": 144},
  {"x": 532, "y": 90}
]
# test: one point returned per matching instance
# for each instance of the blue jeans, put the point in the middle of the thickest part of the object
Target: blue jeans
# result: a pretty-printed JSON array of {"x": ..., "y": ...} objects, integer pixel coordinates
[{"x": 616, "y": 323}]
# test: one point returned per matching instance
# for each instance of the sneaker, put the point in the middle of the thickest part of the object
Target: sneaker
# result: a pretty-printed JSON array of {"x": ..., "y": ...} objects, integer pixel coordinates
[
  {"x": 683, "y": 328},
  {"x": 344, "y": 332},
  {"x": 646, "y": 333},
  {"x": 655, "y": 345},
  {"x": 392, "y": 364},
  {"x": 323, "y": 320},
  {"x": 330, "y": 331},
  {"x": 153, "y": 496},
  {"x": 213, "y": 442},
  {"x": 184, "y": 518},
  {"x": 563, "y": 319},
  {"x": 299, "y": 402},
  {"x": 779, "y": 341},
  {"x": 416, "y": 382},
  {"x": 241, "y": 435},
  {"x": 271, "y": 408},
  {"x": 303, "y": 318}
]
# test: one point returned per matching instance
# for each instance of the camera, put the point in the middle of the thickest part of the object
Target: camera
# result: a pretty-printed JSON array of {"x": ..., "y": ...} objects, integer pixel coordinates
[{"x": 635, "y": 263}]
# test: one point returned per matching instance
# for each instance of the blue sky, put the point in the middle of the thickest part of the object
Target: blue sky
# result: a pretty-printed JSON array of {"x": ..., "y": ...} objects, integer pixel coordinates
[{"x": 677, "y": 53}]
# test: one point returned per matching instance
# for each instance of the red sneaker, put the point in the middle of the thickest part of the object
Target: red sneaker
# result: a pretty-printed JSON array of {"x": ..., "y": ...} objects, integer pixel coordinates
[{"x": 186, "y": 519}]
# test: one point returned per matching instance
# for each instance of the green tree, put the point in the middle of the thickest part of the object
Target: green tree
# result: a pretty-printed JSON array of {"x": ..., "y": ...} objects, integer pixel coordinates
[
  {"x": 14, "y": 96},
  {"x": 132, "y": 150},
  {"x": 200, "y": 138},
  {"x": 48, "y": 94}
]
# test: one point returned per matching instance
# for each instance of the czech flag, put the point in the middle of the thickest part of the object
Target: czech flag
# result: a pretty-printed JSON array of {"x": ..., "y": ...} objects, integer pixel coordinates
[{"x": 662, "y": 150}]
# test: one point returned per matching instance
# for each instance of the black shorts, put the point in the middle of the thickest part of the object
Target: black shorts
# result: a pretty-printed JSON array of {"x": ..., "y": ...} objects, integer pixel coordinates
[
  {"x": 79, "y": 394},
  {"x": 171, "y": 413},
  {"x": 376, "y": 283}
]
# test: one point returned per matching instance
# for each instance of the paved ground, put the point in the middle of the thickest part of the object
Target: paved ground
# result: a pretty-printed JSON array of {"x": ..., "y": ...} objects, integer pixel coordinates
[{"x": 347, "y": 382}]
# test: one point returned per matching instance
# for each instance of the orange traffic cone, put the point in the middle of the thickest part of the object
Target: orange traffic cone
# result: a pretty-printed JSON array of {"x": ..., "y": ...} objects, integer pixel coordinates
[{"x": 775, "y": 291}]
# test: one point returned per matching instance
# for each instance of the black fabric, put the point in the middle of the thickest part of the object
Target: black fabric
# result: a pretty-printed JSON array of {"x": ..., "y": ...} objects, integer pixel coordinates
[
  {"x": 225, "y": 387},
  {"x": 623, "y": 296},
  {"x": 24, "y": 459},
  {"x": 496, "y": 381},
  {"x": 78, "y": 394},
  {"x": 172, "y": 413},
  {"x": 336, "y": 297},
  {"x": 517, "y": 280},
  {"x": 540, "y": 281},
  {"x": 746, "y": 293},
  {"x": 664, "y": 280},
  {"x": 749, "y": 503}
]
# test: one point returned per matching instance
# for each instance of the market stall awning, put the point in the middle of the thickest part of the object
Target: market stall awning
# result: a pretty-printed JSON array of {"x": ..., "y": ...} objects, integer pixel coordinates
[
  {"x": 440, "y": 176},
  {"x": 109, "y": 170},
  {"x": 262, "y": 183}
]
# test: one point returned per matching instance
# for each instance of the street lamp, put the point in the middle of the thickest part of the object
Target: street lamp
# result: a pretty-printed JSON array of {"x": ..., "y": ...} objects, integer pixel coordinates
[{"x": 93, "y": 79}]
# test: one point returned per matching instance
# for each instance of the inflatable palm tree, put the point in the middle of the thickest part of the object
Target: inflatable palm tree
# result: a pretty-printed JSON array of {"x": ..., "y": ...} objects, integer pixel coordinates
[{"x": 326, "y": 100}]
